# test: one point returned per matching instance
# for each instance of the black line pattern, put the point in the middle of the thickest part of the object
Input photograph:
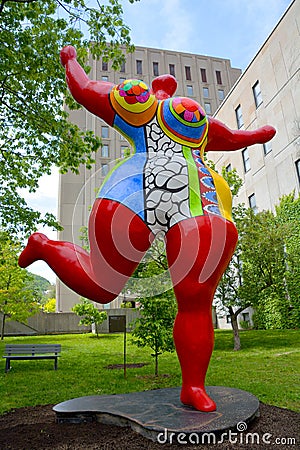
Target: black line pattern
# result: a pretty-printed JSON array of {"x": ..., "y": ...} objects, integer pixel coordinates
[{"x": 166, "y": 181}]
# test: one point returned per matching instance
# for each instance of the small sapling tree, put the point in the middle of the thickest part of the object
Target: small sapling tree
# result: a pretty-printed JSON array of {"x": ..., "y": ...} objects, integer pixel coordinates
[
  {"x": 154, "y": 328},
  {"x": 90, "y": 314}
]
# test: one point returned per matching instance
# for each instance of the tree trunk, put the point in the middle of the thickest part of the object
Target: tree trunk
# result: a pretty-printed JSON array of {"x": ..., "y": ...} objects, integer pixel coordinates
[
  {"x": 156, "y": 364},
  {"x": 3, "y": 326},
  {"x": 235, "y": 328}
]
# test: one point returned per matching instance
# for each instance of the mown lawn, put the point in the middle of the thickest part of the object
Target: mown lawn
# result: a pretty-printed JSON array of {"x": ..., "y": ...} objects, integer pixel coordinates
[{"x": 267, "y": 366}]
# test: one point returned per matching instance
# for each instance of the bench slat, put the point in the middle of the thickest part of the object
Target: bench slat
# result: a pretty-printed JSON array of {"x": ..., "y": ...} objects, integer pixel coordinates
[{"x": 32, "y": 349}]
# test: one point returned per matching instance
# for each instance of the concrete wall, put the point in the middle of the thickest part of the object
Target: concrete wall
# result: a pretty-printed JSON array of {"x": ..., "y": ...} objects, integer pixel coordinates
[{"x": 59, "y": 323}]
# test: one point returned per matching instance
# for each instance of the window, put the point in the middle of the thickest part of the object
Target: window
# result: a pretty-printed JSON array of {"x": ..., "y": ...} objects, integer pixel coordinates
[
  {"x": 205, "y": 92},
  {"x": 122, "y": 69},
  {"x": 239, "y": 116},
  {"x": 104, "y": 65},
  {"x": 104, "y": 169},
  {"x": 190, "y": 90},
  {"x": 155, "y": 69},
  {"x": 228, "y": 319},
  {"x": 221, "y": 94},
  {"x": 246, "y": 160},
  {"x": 105, "y": 151},
  {"x": 219, "y": 77},
  {"x": 172, "y": 69},
  {"x": 267, "y": 147},
  {"x": 207, "y": 107},
  {"x": 139, "y": 66},
  {"x": 252, "y": 203},
  {"x": 188, "y": 75},
  {"x": 104, "y": 132},
  {"x": 298, "y": 169},
  {"x": 228, "y": 168},
  {"x": 257, "y": 94},
  {"x": 246, "y": 317},
  {"x": 104, "y": 78},
  {"x": 203, "y": 75}
]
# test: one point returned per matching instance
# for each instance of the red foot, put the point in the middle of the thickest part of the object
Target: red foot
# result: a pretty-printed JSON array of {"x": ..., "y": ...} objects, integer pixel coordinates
[
  {"x": 32, "y": 252},
  {"x": 198, "y": 398}
]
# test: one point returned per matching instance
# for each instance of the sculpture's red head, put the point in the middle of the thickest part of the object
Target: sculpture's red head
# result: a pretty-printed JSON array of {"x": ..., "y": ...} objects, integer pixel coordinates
[{"x": 164, "y": 86}]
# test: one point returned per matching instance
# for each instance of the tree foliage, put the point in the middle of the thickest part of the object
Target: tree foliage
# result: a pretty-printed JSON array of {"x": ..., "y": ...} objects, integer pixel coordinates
[
  {"x": 35, "y": 133},
  {"x": 19, "y": 296},
  {"x": 154, "y": 328},
  {"x": 264, "y": 272},
  {"x": 50, "y": 305},
  {"x": 90, "y": 314},
  {"x": 270, "y": 246},
  {"x": 151, "y": 282}
]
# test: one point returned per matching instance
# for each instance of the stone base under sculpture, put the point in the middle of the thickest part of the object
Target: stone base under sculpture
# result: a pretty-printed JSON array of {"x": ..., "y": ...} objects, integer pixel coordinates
[{"x": 160, "y": 416}]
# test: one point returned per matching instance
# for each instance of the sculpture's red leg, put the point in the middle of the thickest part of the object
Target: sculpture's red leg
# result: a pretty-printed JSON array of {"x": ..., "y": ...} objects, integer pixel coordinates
[
  {"x": 118, "y": 240},
  {"x": 198, "y": 251}
]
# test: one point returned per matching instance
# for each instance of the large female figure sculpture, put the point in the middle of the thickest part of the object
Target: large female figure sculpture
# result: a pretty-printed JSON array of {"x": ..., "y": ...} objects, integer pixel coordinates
[{"x": 164, "y": 187}]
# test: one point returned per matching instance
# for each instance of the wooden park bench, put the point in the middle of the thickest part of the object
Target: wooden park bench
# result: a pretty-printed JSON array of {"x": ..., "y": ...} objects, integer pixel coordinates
[{"x": 31, "y": 351}]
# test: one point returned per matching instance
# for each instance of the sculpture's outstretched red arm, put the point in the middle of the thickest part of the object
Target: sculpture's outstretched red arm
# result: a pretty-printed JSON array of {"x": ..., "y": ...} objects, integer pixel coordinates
[
  {"x": 93, "y": 95},
  {"x": 222, "y": 138}
]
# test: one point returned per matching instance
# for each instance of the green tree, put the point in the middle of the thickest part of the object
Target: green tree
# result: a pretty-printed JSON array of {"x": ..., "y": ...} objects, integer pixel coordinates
[
  {"x": 35, "y": 133},
  {"x": 288, "y": 216},
  {"x": 18, "y": 296},
  {"x": 50, "y": 305},
  {"x": 152, "y": 277},
  {"x": 270, "y": 261},
  {"x": 154, "y": 328},
  {"x": 227, "y": 297},
  {"x": 90, "y": 314}
]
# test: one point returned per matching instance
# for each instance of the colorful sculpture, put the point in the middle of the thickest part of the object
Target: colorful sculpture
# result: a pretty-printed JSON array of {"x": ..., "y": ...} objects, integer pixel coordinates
[{"x": 166, "y": 187}]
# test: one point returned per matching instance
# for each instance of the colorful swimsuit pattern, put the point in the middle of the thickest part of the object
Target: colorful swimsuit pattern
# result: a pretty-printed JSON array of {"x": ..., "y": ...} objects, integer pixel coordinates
[{"x": 165, "y": 180}]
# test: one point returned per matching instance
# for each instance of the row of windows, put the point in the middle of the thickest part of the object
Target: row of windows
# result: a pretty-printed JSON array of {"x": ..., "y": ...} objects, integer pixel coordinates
[
  {"x": 252, "y": 198},
  {"x": 190, "y": 93},
  {"x": 155, "y": 68},
  {"x": 267, "y": 148},
  {"x": 257, "y": 99},
  {"x": 105, "y": 154}
]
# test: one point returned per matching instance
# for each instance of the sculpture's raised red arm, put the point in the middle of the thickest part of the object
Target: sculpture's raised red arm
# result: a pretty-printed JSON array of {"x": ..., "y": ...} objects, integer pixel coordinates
[
  {"x": 93, "y": 95},
  {"x": 222, "y": 138}
]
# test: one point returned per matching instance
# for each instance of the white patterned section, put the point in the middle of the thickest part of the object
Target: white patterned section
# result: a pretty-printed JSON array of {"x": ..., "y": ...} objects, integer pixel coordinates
[{"x": 166, "y": 181}]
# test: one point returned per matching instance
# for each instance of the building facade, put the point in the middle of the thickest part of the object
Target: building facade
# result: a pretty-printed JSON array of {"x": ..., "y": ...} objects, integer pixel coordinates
[
  {"x": 206, "y": 79},
  {"x": 268, "y": 92}
]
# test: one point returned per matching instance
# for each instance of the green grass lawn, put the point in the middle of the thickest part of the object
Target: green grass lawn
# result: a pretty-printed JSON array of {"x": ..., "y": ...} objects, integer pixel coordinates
[{"x": 267, "y": 366}]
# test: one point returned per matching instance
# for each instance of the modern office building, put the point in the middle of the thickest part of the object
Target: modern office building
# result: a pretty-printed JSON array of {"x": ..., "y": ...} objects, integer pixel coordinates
[
  {"x": 206, "y": 79},
  {"x": 268, "y": 92}
]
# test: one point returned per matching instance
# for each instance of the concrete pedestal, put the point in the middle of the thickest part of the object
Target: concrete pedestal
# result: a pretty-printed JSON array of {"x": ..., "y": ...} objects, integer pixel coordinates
[{"x": 159, "y": 415}]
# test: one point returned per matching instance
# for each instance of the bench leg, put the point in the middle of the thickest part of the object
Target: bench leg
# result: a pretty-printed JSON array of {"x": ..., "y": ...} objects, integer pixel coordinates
[
  {"x": 55, "y": 364},
  {"x": 7, "y": 365}
]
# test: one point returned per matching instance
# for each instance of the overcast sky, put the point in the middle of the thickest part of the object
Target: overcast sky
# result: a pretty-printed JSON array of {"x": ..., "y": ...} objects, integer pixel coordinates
[{"x": 233, "y": 29}]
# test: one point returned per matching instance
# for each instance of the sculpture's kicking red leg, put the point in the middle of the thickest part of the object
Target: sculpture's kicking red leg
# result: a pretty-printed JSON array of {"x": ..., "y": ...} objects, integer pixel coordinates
[{"x": 118, "y": 240}]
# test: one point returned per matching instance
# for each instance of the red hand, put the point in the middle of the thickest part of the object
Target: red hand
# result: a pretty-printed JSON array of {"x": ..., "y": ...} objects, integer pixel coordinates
[{"x": 66, "y": 54}]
